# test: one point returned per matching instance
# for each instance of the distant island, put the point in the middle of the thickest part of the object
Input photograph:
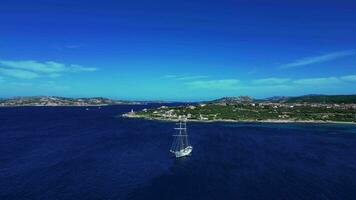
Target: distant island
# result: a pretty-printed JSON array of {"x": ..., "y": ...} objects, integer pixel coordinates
[
  {"x": 61, "y": 101},
  {"x": 309, "y": 108}
]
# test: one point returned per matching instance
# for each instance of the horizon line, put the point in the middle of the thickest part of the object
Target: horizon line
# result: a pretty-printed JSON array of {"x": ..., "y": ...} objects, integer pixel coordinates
[{"x": 200, "y": 100}]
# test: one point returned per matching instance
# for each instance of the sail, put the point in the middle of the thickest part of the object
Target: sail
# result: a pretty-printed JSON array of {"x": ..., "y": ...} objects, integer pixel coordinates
[{"x": 180, "y": 140}]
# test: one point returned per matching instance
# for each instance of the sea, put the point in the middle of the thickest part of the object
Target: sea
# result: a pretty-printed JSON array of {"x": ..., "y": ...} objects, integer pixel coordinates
[{"x": 58, "y": 153}]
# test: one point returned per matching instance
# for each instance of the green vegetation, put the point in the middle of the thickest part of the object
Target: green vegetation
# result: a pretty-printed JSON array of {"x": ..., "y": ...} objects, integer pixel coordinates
[
  {"x": 345, "y": 99},
  {"x": 335, "y": 108},
  {"x": 248, "y": 112}
]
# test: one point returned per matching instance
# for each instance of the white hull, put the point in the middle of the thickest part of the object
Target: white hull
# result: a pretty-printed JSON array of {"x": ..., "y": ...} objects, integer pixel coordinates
[{"x": 183, "y": 152}]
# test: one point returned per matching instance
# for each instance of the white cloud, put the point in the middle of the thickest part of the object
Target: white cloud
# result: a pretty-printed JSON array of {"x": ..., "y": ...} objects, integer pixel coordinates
[
  {"x": 319, "y": 59},
  {"x": 33, "y": 69},
  {"x": 192, "y": 77},
  {"x": 223, "y": 84},
  {"x": 349, "y": 78},
  {"x": 270, "y": 81},
  {"x": 318, "y": 81},
  {"x": 17, "y": 73},
  {"x": 184, "y": 77},
  {"x": 264, "y": 86},
  {"x": 46, "y": 67},
  {"x": 78, "y": 68},
  {"x": 170, "y": 76}
]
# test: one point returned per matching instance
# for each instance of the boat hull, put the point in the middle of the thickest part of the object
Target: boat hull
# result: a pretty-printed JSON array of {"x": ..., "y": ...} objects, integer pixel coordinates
[{"x": 184, "y": 152}]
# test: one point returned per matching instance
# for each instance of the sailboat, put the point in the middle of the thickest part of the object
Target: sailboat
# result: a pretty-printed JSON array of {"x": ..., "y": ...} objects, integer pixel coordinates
[{"x": 180, "y": 146}]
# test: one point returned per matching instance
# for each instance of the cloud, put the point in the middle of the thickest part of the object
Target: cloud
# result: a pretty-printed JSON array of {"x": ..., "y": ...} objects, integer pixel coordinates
[
  {"x": 223, "y": 84},
  {"x": 33, "y": 69},
  {"x": 319, "y": 59},
  {"x": 263, "y": 87},
  {"x": 170, "y": 76},
  {"x": 318, "y": 81},
  {"x": 17, "y": 73},
  {"x": 315, "y": 81},
  {"x": 46, "y": 67},
  {"x": 191, "y": 77},
  {"x": 349, "y": 78},
  {"x": 78, "y": 68},
  {"x": 184, "y": 77},
  {"x": 270, "y": 81}
]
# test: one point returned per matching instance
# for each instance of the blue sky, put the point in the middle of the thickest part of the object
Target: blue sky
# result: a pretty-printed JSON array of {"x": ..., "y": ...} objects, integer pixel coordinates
[{"x": 177, "y": 50}]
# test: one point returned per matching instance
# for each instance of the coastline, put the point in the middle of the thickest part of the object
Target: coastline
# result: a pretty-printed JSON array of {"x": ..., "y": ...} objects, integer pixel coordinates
[
  {"x": 62, "y": 105},
  {"x": 15, "y": 106},
  {"x": 51, "y": 106},
  {"x": 239, "y": 121}
]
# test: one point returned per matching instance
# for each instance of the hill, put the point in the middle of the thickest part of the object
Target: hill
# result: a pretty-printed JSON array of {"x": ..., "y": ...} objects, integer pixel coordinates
[
  {"x": 310, "y": 108},
  {"x": 323, "y": 99},
  {"x": 60, "y": 101},
  {"x": 232, "y": 100}
]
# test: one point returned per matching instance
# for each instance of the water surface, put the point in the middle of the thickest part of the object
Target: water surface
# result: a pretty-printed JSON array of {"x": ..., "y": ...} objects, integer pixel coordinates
[{"x": 74, "y": 153}]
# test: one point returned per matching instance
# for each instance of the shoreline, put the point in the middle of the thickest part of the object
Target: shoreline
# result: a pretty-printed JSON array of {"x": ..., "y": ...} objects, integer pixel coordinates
[
  {"x": 16, "y": 106},
  {"x": 242, "y": 121}
]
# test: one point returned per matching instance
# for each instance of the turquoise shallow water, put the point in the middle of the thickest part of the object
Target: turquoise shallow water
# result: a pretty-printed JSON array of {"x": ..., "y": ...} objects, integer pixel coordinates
[{"x": 72, "y": 153}]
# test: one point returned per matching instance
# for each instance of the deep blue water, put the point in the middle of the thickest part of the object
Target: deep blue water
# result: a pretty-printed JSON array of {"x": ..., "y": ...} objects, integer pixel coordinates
[{"x": 71, "y": 153}]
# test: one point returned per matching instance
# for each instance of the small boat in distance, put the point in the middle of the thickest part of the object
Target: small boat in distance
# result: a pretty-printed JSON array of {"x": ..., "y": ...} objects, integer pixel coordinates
[{"x": 180, "y": 146}]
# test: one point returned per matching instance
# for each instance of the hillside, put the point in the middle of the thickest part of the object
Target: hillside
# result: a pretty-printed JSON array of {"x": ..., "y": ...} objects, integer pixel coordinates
[
  {"x": 232, "y": 100},
  {"x": 322, "y": 99},
  {"x": 60, "y": 101},
  {"x": 311, "y": 108}
]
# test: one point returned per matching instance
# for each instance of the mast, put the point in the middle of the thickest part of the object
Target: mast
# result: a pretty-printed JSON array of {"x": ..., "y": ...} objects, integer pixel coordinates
[{"x": 181, "y": 138}]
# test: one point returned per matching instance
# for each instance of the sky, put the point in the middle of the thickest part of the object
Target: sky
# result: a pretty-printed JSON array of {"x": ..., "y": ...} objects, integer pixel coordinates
[{"x": 182, "y": 50}]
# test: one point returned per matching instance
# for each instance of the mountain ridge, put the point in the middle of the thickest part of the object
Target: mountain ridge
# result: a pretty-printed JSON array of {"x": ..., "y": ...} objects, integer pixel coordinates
[
  {"x": 61, "y": 101},
  {"x": 310, "y": 98}
]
